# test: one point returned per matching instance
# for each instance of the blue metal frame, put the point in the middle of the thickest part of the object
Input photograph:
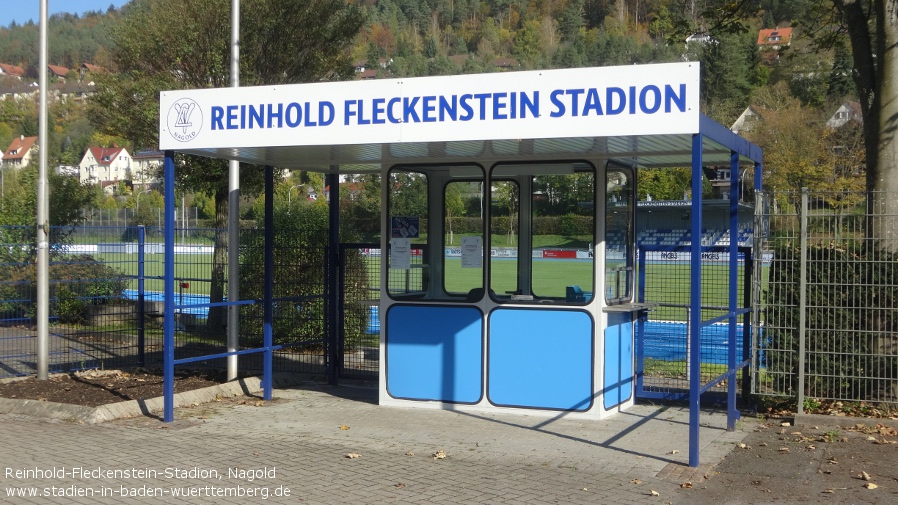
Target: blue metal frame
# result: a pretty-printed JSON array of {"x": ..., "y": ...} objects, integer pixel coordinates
[
  {"x": 332, "y": 283},
  {"x": 738, "y": 147},
  {"x": 168, "y": 328},
  {"x": 168, "y": 349}
]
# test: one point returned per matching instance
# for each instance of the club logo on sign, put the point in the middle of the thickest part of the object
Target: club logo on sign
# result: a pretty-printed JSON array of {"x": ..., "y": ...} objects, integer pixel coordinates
[{"x": 185, "y": 119}]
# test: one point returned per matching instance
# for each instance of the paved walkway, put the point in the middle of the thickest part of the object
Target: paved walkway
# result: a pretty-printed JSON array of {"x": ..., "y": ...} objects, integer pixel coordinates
[{"x": 242, "y": 451}]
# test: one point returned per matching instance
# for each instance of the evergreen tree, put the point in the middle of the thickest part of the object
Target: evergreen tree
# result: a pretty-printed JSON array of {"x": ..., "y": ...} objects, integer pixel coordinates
[{"x": 840, "y": 84}]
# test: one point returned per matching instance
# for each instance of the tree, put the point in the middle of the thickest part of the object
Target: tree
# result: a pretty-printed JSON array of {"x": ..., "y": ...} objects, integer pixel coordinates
[
  {"x": 283, "y": 41},
  {"x": 19, "y": 206},
  {"x": 794, "y": 150},
  {"x": 871, "y": 28}
]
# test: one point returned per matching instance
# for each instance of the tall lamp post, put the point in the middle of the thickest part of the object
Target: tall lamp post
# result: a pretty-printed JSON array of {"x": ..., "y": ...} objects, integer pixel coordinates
[
  {"x": 290, "y": 192},
  {"x": 137, "y": 198},
  {"x": 742, "y": 182}
]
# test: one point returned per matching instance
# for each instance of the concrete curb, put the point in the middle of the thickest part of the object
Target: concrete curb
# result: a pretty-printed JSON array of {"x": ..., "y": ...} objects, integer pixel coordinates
[
  {"x": 842, "y": 421},
  {"x": 134, "y": 408}
]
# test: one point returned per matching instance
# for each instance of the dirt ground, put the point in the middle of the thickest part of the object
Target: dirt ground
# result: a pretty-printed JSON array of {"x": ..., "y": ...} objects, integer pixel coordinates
[
  {"x": 93, "y": 388},
  {"x": 827, "y": 460}
]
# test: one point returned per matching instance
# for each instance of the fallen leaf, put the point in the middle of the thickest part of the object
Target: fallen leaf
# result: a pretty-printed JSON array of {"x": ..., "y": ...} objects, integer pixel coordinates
[
  {"x": 353, "y": 455},
  {"x": 784, "y": 449},
  {"x": 344, "y": 427},
  {"x": 743, "y": 446},
  {"x": 785, "y": 423},
  {"x": 870, "y": 485},
  {"x": 830, "y": 491},
  {"x": 886, "y": 430},
  {"x": 673, "y": 452},
  {"x": 655, "y": 493},
  {"x": 864, "y": 476},
  {"x": 584, "y": 489},
  {"x": 409, "y": 453},
  {"x": 636, "y": 481},
  {"x": 399, "y": 485},
  {"x": 440, "y": 455},
  {"x": 686, "y": 485}
]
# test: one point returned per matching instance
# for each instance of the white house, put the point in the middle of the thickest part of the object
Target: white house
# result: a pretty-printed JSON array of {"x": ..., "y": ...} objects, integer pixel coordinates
[
  {"x": 146, "y": 169},
  {"x": 746, "y": 121},
  {"x": 848, "y": 111},
  {"x": 106, "y": 166},
  {"x": 21, "y": 152}
]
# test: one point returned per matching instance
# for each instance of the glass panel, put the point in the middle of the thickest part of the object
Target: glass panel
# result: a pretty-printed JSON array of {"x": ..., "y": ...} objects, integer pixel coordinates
[
  {"x": 463, "y": 244},
  {"x": 619, "y": 234},
  {"x": 408, "y": 274},
  {"x": 504, "y": 243},
  {"x": 563, "y": 229},
  {"x": 542, "y": 246}
]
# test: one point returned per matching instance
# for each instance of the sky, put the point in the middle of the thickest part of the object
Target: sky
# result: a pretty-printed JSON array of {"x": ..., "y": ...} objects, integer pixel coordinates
[{"x": 21, "y": 11}]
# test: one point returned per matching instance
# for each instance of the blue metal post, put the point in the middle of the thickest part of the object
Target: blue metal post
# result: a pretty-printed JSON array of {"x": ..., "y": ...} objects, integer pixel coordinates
[
  {"x": 732, "y": 413},
  {"x": 758, "y": 176},
  {"x": 333, "y": 283},
  {"x": 268, "y": 283},
  {"x": 168, "y": 344},
  {"x": 141, "y": 315},
  {"x": 695, "y": 302}
]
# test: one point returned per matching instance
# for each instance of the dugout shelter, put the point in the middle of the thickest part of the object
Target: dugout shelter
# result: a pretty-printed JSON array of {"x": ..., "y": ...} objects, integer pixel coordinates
[{"x": 498, "y": 319}]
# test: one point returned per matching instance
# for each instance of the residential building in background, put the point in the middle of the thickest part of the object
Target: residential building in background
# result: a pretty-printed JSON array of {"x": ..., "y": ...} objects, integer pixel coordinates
[
  {"x": 848, "y": 111},
  {"x": 106, "y": 167},
  {"x": 13, "y": 71},
  {"x": 20, "y": 153},
  {"x": 146, "y": 169}
]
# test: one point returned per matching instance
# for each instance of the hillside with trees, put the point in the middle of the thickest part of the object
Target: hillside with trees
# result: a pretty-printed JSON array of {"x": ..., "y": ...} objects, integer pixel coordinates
[{"x": 799, "y": 83}]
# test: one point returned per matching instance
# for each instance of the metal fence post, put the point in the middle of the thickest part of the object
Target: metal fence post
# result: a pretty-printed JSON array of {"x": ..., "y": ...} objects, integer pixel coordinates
[
  {"x": 802, "y": 298},
  {"x": 141, "y": 341}
]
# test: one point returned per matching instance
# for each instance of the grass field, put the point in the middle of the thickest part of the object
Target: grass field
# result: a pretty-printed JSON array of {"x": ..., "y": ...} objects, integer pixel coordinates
[
  {"x": 667, "y": 283},
  {"x": 187, "y": 266}
]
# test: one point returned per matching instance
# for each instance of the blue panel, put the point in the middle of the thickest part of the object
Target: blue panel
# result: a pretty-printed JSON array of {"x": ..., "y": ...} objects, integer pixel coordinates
[
  {"x": 434, "y": 353},
  {"x": 541, "y": 359},
  {"x": 618, "y": 362}
]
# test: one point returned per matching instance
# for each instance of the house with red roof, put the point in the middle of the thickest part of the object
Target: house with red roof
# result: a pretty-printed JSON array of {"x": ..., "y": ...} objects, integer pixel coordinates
[
  {"x": 20, "y": 153},
  {"x": 58, "y": 72},
  {"x": 105, "y": 166},
  {"x": 774, "y": 38},
  {"x": 11, "y": 71}
]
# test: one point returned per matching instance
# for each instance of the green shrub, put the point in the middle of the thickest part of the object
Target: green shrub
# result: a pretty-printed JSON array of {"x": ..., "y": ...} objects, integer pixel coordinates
[
  {"x": 76, "y": 282},
  {"x": 851, "y": 299}
]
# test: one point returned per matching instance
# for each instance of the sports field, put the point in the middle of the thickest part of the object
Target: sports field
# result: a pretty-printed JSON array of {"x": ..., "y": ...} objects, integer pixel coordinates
[{"x": 666, "y": 282}]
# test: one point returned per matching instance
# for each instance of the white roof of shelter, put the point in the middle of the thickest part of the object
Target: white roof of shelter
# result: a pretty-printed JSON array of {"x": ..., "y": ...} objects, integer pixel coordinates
[{"x": 645, "y": 114}]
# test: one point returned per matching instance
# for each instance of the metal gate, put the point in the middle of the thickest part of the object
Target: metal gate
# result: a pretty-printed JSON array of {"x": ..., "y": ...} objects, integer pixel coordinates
[
  {"x": 662, "y": 334},
  {"x": 359, "y": 323}
]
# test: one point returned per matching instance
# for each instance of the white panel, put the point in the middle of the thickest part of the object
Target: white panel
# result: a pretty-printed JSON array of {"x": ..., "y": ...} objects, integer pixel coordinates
[{"x": 581, "y": 102}]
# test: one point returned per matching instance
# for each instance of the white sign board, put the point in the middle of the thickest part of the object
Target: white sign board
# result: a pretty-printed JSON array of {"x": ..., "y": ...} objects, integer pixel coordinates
[
  {"x": 400, "y": 253},
  {"x": 472, "y": 252},
  {"x": 580, "y": 102}
]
